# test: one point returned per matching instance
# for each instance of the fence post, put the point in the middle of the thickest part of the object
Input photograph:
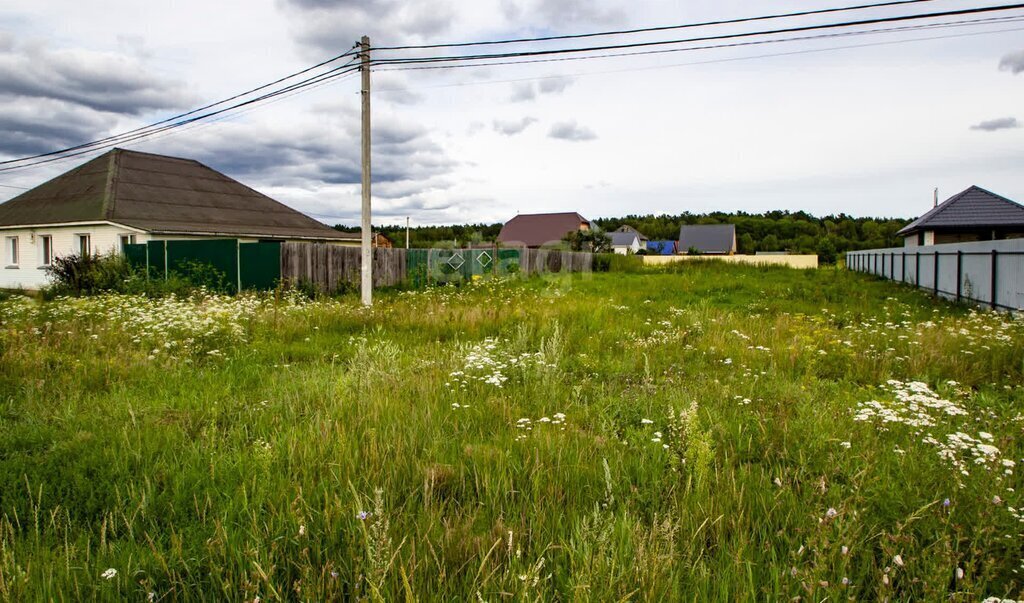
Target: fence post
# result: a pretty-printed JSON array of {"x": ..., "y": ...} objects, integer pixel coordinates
[
  {"x": 959, "y": 271},
  {"x": 917, "y": 269},
  {"x": 903, "y": 266},
  {"x": 992, "y": 296},
  {"x": 238, "y": 266},
  {"x": 936, "y": 279},
  {"x": 165, "y": 260},
  {"x": 892, "y": 266}
]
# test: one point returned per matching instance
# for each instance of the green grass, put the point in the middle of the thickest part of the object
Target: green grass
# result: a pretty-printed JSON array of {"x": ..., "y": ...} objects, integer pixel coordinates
[{"x": 226, "y": 449}]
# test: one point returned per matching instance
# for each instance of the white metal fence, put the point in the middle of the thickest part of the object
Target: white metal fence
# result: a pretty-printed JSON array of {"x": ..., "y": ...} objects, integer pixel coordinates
[{"x": 984, "y": 272}]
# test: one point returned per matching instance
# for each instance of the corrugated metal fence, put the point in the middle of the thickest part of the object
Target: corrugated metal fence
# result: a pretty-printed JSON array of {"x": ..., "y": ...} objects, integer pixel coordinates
[{"x": 990, "y": 273}]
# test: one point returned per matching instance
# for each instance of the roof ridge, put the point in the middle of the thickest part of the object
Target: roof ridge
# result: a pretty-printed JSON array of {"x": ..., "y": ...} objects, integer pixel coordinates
[{"x": 110, "y": 190}]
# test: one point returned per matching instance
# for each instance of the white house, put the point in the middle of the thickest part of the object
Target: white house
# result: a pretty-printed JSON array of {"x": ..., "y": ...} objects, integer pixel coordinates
[
  {"x": 625, "y": 243},
  {"x": 126, "y": 197}
]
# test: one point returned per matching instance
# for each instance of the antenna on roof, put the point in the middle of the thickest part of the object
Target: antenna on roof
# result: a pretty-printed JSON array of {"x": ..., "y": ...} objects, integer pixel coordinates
[{"x": 935, "y": 197}]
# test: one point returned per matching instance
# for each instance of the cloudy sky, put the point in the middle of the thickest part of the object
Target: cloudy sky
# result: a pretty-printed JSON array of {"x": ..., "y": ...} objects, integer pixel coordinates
[{"x": 867, "y": 125}]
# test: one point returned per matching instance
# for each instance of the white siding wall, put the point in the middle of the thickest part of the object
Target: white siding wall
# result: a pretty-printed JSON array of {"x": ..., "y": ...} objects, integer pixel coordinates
[{"x": 28, "y": 274}]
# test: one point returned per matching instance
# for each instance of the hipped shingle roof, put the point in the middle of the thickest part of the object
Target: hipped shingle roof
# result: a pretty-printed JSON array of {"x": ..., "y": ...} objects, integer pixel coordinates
[
  {"x": 160, "y": 194},
  {"x": 972, "y": 208}
]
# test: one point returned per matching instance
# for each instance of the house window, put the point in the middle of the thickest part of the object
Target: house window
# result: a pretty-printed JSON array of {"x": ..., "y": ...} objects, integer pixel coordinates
[
  {"x": 12, "y": 252},
  {"x": 84, "y": 245},
  {"x": 127, "y": 239},
  {"x": 920, "y": 238},
  {"x": 46, "y": 250}
]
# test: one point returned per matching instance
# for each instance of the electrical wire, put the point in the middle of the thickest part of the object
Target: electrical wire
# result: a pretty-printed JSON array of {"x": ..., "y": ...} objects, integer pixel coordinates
[
  {"x": 908, "y": 28},
  {"x": 142, "y": 135},
  {"x": 654, "y": 29},
  {"x": 186, "y": 114},
  {"x": 795, "y": 29},
  {"x": 213, "y": 122},
  {"x": 691, "y": 63}
]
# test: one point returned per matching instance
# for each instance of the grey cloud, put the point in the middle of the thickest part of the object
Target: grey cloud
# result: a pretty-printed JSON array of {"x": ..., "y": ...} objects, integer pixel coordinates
[
  {"x": 570, "y": 130},
  {"x": 317, "y": 152},
  {"x": 45, "y": 125},
  {"x": 1013, "y": 62},
  {"x": 510, "y": 128},
  {"x": 1001, "y": 123},
  {"x": 572, "y": 12},
  {"x": 98, "y": 80},
  {"x": 523, "y": 92},
  {"x": 527, "y": 91},
  {"x": 326, "y": 26},
  {"x": 553, "y": 85}
]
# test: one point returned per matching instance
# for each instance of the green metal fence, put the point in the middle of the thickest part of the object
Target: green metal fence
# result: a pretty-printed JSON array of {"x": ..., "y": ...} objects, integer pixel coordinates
[
  {"x": 225, "y": 264},
  {"x": 427, "y": 266}
]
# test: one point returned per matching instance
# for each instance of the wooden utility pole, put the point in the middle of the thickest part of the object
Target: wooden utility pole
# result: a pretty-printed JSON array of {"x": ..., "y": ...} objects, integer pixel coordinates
[
  {"x": 366, "y": 284},
  {"x": 407, "y": 232}
]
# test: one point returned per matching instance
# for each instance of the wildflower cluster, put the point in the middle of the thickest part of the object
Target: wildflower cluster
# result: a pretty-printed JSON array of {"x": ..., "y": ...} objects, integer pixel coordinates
[
  {"x": 526, "y": 424},
  {"x": 489, "y": 361}
]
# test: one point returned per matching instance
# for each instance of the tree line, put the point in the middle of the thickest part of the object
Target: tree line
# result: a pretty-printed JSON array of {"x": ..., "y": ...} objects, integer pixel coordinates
[{"x": 797, "y": 232}]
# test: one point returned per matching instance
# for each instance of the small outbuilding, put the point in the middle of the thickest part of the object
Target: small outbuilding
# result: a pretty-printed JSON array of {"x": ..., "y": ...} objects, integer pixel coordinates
[
  {"x": 708, "y": 239},
  {"x": 662, "y": 247},
  {"x": 971, "y": 215}
]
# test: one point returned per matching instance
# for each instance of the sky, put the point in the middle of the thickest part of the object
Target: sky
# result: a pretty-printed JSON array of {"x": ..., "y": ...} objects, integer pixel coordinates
[{"x": 864, "y": 125}]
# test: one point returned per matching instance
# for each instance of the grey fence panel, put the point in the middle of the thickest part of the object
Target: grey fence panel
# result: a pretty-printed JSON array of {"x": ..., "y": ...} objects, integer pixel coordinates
[{"x": 984, "y": 272}]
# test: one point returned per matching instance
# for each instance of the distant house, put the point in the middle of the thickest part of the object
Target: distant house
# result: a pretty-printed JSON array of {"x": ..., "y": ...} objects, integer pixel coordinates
[
  {"x": 662, "y": 247},
  {"x": 625, "y": 243},
  {"x": 640, "y": 235},
  {"x": 124, "y": 197},
  {"x": 708, "y": 239},
  {"x": 536, "y": 230},
  {"x": 381, "y": 241},
  {"x": 972, "y": 215}
]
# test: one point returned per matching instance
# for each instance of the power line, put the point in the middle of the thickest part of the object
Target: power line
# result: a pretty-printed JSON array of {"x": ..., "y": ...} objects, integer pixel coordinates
[
  {"x": 795, "y": 29},
  {"x": 909, "y": 28},
  {"x": 21, "y": 188},
  {"x": 96, "y": 145},
  {"x": 689, "y": 63},
  {"x": 186, "y": 114},
  {"x": 193, "y": 127},
  {"x": 654, "y": 29}
]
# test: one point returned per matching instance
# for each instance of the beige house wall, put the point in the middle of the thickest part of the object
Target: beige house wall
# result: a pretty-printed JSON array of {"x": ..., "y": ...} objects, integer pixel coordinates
[{"x": 792, "y": 261}]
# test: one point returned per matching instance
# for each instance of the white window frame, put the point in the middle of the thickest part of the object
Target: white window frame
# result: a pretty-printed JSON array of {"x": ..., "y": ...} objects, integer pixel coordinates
[
  {"x": 84, "y": 240},
  {"x": 45, "y": 250},
  {"x": 126, "y": 238},
  {"x": 13, "y": 248}
]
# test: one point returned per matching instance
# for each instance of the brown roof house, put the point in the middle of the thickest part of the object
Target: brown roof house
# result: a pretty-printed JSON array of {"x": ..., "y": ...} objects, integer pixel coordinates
[
  {"x": 537, "y": 230},
  {"x": 972, "y": 215},
  {"x": 126, "y": 197}
]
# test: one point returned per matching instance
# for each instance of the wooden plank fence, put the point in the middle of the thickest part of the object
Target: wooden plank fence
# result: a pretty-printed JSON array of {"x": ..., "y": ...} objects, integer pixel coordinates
[
  {"x": 329, "y": 267},
  {"x": 536, "y": 261}
]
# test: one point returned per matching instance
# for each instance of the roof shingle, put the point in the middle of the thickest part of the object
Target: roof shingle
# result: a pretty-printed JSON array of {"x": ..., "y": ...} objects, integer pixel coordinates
[
  {"x": 534, "y": 230},
  {"x": 160, "y": 194},
  {"x": 971, "y": 208}
]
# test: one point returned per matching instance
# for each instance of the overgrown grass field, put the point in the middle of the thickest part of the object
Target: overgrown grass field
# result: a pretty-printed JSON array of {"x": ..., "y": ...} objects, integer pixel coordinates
[{"x": 706, "y": 432}]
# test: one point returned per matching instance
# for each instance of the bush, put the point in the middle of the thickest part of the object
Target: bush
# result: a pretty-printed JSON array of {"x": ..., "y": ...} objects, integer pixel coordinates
[
  {"x": 76, "y": 275},
  {"x": 87, "y": 274}
]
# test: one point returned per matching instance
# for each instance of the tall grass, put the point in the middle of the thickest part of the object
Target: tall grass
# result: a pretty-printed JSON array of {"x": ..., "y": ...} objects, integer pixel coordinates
[{"x": 686, "y": 434}]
